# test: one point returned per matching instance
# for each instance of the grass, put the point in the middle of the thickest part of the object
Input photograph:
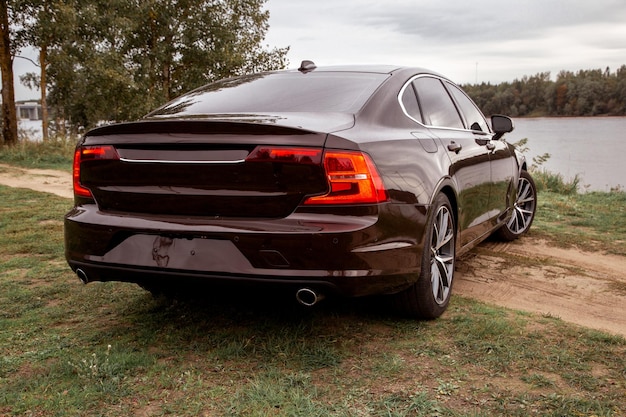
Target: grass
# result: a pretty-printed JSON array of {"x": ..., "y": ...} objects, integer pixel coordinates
[
  {"x": 547, "y": 181},
  {"x": 593, "y": 221},
  {"x": 110, "y": 349},
  {"x": 56, "y": 153}
]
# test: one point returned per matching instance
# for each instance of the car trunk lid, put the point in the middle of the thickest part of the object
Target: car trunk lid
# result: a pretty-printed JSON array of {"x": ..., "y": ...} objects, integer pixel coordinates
[{"x": 207, "y": 168}]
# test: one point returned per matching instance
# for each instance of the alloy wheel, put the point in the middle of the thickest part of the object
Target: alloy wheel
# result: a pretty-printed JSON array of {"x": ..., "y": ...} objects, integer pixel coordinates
[
  {"x": 442, "y": 255},
  {"x": 524, "y": 207}
]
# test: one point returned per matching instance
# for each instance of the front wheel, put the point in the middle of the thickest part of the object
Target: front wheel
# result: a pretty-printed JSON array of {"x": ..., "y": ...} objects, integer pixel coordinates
[
  {"x": 429, "y": 296},
  {"x": 523, "y": 209}
]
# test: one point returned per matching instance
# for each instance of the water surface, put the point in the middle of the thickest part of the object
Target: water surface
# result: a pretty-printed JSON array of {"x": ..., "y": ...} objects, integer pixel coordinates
[{"x": 594, "y": 148}]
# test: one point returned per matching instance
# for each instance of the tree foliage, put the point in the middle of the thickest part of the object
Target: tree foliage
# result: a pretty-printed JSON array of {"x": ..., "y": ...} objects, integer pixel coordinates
[
  {"x": 584, "y": 93},
  {"x": 114, "y": 60},
  {"x": 42, "y": 24}
]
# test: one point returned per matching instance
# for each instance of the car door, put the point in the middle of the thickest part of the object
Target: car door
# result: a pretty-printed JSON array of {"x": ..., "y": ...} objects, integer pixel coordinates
[
  {"x": 468, "y": 153},
  {"x": 502, "y": 162}
]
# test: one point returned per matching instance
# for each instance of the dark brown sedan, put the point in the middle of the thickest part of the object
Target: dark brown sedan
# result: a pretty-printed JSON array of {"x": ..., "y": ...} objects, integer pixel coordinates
[{"x": 351, "y": 181}]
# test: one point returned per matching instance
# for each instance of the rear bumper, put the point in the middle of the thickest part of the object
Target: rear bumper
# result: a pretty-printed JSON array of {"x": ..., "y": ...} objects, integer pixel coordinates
[
  {"x": 349, "y": 255},
  {"x": 351, "y": 286}
]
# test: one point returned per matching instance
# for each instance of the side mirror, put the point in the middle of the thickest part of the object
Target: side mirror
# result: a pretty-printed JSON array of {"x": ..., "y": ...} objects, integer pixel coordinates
[{"x": 501, "y": 125}]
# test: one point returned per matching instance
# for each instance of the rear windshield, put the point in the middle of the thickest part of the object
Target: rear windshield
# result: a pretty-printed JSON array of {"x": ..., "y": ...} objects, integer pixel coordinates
[{"x": 344, "y": 92}]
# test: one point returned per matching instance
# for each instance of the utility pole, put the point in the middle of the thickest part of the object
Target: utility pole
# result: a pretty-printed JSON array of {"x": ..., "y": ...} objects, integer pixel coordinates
[{"x": 477, "y": 73}]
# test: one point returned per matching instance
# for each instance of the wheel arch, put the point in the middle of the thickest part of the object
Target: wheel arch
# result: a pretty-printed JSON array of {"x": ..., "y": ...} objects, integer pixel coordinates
[
  {"x": 446, "y": 186},
  {"x": 521, "y": 161}
]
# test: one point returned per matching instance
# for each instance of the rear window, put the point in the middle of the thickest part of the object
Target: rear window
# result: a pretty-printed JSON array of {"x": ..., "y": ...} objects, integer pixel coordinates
[{"x": 342, "y": 92}]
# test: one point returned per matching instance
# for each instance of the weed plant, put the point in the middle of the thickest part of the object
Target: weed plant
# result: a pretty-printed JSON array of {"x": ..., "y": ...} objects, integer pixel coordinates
[
  {"x": 546, "y": 180},
  {"x": 555, "y": 183}
]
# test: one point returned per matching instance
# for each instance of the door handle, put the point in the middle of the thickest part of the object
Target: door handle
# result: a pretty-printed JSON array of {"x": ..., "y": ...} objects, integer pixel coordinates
[
  {"x": 454, "y": 147},
  {"x": 491, "y": 146}
]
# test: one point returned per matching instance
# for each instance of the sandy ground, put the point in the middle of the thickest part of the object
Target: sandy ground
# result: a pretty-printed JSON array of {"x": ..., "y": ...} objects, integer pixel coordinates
[
  {"x": 585, "y": 288},
  {"x": 45, "y": 180}
]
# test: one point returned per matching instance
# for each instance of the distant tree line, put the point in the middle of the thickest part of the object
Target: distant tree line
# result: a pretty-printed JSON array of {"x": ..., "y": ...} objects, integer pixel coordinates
[
  {"x": 114, "y": 60},
  {"x": 584, "y": 93}
]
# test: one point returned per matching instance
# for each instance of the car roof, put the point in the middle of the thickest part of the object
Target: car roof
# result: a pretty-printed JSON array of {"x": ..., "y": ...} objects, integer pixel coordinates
[
  {"x": 372, "y": 68},
  {"x": 380, "y": 69}
]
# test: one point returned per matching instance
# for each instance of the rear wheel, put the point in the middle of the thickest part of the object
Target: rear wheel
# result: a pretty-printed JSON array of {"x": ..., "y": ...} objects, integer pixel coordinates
[
  {"x": 523, "y": 209},
  {"x": 428, "y": 298}
]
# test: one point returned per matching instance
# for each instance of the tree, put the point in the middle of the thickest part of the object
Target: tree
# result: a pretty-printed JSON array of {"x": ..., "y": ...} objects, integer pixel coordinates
[
  {"x": 122, "y": 58},
  {"x": 43, "y": 24},
  {"x": 181, "y": 44},
  {"x": 46, "y": 25},
  {"x": 9, "y": 114},
  {"x": 584, "y": 93}
]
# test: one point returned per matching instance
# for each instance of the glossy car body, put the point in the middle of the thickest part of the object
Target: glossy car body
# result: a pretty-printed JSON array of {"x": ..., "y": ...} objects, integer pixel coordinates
[{"x": 328, "y": 180}]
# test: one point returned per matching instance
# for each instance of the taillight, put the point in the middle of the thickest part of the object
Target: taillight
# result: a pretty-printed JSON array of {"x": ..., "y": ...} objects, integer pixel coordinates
[
  {"x": 352, "y": 176},
  {"x": 86, "y": 154},
  {"x": 353, "y": 179},
  {"x": 309, "y": 156}
]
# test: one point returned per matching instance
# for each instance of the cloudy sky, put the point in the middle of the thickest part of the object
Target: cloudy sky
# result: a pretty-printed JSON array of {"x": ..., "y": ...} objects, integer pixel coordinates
[{"x": 467, "y": 40}]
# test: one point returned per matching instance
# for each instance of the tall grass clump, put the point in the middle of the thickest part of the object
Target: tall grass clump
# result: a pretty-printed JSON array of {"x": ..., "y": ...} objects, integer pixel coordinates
[
  {"x": 555, "y": 183},
  {"x": 545, "y": 180},
  {"x": 55, "y": 153}
]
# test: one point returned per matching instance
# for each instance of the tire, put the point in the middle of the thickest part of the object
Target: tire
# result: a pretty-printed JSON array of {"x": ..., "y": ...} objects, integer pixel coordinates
[
  {"x": 523, "y": 209},
  {"x": 429, "y": 296}
]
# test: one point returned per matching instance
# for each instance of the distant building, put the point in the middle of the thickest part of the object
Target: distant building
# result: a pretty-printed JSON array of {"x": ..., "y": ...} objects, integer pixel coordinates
[{"x": 28, "y": 110}]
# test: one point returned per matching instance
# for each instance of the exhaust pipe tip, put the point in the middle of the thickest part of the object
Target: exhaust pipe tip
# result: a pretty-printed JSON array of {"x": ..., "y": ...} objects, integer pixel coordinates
[
  {"x": 307, "y": 297},
  {"x": 82, "y": 275}
]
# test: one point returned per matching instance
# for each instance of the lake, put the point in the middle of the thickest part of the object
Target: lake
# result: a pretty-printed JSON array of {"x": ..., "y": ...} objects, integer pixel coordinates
[{"x": 591, "y": 147}]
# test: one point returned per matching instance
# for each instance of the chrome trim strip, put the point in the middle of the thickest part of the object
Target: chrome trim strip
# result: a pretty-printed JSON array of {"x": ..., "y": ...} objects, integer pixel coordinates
[
  {"x": 406, "y": 113},
  {"x": 162, "y": 161}
]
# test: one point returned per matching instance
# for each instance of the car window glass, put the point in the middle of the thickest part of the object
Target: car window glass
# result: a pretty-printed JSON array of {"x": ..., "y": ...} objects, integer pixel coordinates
[
  {"x": 474, "y": 118},
  {"x": 409, "y": 101},
  {"x": 437, "y": 106},
  {"x": 279, "y": 92}
]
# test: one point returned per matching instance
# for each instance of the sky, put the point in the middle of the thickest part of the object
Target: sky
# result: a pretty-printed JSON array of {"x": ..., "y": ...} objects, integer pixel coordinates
[{"x": 467, "y": 40}]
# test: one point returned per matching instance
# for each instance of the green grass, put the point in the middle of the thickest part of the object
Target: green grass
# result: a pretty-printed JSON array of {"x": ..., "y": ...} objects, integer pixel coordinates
[
  {"x": 110, "y": 349},
  {"x": 590, "y": 221},
  {"x": 555, "y": 183},
  {"x": 56, "y": 153}
]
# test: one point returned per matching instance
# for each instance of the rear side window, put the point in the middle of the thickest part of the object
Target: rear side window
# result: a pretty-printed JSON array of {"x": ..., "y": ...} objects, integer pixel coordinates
[
  {"x": 473, "y": 117},
  {"x": 437, "y": 106},
  {"x": 410, "y": 104},
  {"x": 278, "y": 92}
]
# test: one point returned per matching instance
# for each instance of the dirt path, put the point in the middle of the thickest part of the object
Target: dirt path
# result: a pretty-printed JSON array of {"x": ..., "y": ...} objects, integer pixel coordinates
[
  {"x": 45, "y": 180},
  {"x": 588, "y": 289}
]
